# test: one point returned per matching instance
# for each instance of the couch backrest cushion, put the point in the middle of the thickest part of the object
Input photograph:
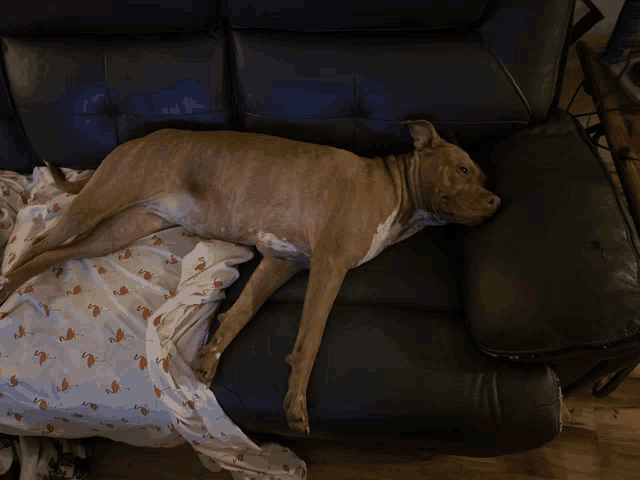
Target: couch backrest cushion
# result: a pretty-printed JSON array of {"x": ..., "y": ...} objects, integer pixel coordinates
[
  {"x": 80, "y": 99},
  {"x": 336, "y": 74},
  {"x": 333, "y": 15},
  {"x": 49, "y": 17}
]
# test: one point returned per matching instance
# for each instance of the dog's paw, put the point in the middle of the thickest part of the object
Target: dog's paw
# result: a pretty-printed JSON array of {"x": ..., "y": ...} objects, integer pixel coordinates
[
  {"x": 296, "y": 409},
  {"x": 207, "y": 360}
]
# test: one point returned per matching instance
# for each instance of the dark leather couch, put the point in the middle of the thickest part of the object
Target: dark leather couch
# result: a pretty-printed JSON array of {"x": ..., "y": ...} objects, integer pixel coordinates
[{"x": 456, "y": 340}]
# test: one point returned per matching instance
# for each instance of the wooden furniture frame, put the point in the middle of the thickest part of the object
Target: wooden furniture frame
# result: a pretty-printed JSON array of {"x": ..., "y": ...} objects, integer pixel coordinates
[{"x": 619, "y": 115}]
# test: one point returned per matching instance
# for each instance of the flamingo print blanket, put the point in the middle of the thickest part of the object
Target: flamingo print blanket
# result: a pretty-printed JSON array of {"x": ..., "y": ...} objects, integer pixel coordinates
[{"x": 105, "y": 346}]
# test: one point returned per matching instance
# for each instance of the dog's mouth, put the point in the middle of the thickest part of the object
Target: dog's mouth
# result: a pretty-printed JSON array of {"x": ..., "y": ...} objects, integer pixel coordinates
[
  {"x": 439, "y": 213},
  {"x": 472, "y": 220}
]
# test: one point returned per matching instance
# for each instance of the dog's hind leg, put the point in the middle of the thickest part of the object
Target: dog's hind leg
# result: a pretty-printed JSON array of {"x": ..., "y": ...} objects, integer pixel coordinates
[
  {"x": 271, "y": 274},
  {"x": 110, "y": 235},
  {"x": 82, "y": 215}
]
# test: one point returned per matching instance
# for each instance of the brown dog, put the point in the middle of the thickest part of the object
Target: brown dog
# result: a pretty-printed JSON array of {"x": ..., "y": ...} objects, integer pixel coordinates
[{"x": 303, "y": 206}]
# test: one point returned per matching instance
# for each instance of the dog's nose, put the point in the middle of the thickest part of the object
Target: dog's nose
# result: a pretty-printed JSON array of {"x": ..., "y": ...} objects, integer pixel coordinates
[{"x": 493, "y": 201}]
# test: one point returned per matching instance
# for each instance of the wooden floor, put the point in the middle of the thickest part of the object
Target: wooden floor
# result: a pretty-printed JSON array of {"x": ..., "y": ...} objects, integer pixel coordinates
[{"x": 600, "y": 440}]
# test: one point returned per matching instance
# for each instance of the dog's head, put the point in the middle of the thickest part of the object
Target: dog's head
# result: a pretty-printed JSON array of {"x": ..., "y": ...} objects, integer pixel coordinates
[{"x": 452, "y": 185}]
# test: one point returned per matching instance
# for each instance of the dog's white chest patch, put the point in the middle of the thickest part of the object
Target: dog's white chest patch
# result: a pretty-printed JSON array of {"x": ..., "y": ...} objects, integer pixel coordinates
[{"x": 391, "y": 231}]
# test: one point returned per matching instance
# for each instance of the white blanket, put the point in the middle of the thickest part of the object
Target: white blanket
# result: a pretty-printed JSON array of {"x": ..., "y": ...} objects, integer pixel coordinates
[{"x": 104, "y": 346}]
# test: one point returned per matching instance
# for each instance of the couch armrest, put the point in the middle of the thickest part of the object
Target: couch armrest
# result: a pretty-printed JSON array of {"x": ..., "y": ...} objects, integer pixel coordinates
[
  {"x": 15, "y": 153},
  {"x": 555, "y": 272}
]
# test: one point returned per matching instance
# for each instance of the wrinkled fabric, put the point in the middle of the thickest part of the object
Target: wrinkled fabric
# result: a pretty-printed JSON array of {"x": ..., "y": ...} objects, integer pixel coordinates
[
  {"x": 105, "y": 346},
  {"x": 206, "y": 271}
]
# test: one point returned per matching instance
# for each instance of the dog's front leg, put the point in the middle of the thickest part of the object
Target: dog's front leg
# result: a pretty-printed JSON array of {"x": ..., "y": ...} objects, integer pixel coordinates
[
  {"x": 270, "y": 275},
  {"x": 325, "y": 279}
]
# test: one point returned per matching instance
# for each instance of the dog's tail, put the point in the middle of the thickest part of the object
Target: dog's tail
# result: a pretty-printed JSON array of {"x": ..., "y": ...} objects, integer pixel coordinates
[{"x": 62, "y": 182}]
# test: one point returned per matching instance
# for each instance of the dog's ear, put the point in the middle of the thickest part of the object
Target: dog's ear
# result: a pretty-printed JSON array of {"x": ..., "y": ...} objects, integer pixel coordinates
[{"x": 424, "y": 135}]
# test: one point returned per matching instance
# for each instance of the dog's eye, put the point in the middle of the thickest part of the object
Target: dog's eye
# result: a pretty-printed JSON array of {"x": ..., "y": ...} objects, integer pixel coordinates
[{"x": 463, "y": 169}]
